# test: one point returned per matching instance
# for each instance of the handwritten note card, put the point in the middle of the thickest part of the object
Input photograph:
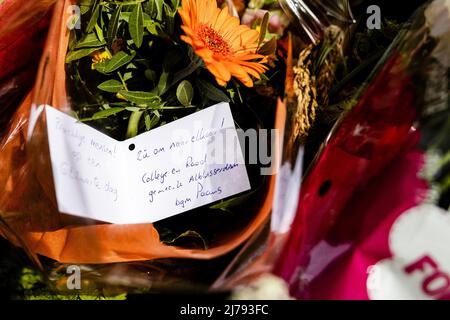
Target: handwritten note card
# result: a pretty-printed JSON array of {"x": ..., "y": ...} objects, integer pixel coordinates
[{"x": 185, "y": 164}]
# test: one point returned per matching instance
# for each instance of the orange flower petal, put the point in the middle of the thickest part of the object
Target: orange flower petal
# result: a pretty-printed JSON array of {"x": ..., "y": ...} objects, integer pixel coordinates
[
  {"x": 253, "y": 72},
  {"x": 222, "y": 70},
  {"x": 184, "y": 17},
  {"x": 246, "y": 80},
  {"x": 217, "y": 74},
  {"x": 235, "y": 69},
  {"x": 227, "y": 48},
  {"x": 188, "y": 40},
  {"x": 247, "y": 56},
  {"x": 230, "y": 27},
  {"x": 188, "y": 31},
  {"x": 205, "y": 54},
  {"x": 221, "y": 19},
  {"x": 234, "y": 36},
  {"x": 249, "y": 36},
  {"x": 254, "y": 66},
  {"x": 211, "y": 12}
]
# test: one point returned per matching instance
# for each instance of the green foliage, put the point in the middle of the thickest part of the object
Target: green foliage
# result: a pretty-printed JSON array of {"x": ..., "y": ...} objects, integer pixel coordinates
[
  {"x": 111, "y": 85},
  {"x": 106, "y": 113},
  {"x": 120, "y": 59},
  {"x": 140, "y": 64},
  {"x": 90, "y": 41},
  {"x": 78, "y": 54},
  {"x": 29, "y": 278},
  {"x": 185, "y": 93},
  {"x": 171, "y": 238},
  {"x": 136, "y": 25},
  {"x": 141, "y": 98},
  {"x": 129, "y": 71}
]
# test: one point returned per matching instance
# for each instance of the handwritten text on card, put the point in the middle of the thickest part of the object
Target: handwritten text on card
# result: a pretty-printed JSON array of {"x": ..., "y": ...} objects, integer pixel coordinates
[{"x": 185, "y": 164}]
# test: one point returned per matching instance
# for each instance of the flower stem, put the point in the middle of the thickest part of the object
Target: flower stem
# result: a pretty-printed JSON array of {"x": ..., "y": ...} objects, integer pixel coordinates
[
  {"x": 133, "y": 124},
  {"x": 123, "y": 81}
]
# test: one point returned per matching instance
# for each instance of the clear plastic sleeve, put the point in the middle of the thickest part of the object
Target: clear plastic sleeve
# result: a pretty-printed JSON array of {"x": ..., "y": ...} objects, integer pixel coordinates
[
  {"x": 28, "y": 203},
  {"x": 355, "y": 235}
]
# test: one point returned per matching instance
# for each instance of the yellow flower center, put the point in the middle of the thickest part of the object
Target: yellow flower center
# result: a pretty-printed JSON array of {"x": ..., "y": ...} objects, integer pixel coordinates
[{"x": 213, "y": 40}]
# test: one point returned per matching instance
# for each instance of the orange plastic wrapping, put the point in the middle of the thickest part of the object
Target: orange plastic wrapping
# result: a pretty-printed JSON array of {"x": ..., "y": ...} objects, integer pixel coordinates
[
  {"x": 28, "y": 202},
  {"x": 23, "y": 30}
]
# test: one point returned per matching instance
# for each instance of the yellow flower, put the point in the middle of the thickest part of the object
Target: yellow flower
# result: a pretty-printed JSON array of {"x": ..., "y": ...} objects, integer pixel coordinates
[
  {"x": 100, "y": 56},
  {"x": 227, "y": 47}
]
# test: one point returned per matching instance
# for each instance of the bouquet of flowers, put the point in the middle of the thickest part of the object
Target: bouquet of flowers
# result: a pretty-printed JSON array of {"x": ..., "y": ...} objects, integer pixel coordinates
[{"x": 373, "y": 210}]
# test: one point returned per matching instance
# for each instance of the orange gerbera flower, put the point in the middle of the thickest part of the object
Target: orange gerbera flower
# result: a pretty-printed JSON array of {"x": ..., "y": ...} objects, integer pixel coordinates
[{"x": 227, "y": 47}]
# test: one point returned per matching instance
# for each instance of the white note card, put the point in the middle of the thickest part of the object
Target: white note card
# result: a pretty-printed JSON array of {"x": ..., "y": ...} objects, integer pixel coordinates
[{"x": 186, "y": 164}]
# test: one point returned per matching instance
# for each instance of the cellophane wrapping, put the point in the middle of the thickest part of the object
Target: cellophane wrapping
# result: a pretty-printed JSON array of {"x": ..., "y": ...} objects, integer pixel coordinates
[{"x": 373, "y": 215}]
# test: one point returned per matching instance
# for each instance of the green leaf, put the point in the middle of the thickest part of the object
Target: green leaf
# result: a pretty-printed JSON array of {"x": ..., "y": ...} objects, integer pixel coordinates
[
  {"x": 94, "y": 17},
  {"x": 185, "y": 93},
  {"x": 150, "y": 8},
  {"x": 132, "y": 66},
  {"x": 175, "y": 4},
  {"x": 113, "y": 25},
  {"x": 78, "y": 54},
  {"x": 140, "y": 97},
  {"x": 212, "y": 93},
  {"x": 263, "y": 29},
  {"x": 148, "y": 121},
  {"x": 151, "y": 25},
  {"x": 127, "y": 76},
  {"x": 99, "y": 33},
  {"x": 84, "y": 9},
  {"x": 120, "y": 59},
  {"x": 72, "y": 41},
  {"x": 169, "y": 18},
  {"x": 225, "y": 205},
  {"x": 133, "y": 109},
  {"x": 29, "y": 279},
  {"x": 106, "y": 113},
  {"x": 112, "y": 86},
  {"x": 136, "y": 25},
  {"x": 169, "y": 12},
  {"x": 151, "y": 122},
  {"x": 162, "y": 83},
  {"x": 187, "y": 234},
  {"x": 125, "y": 16},
  {"x": 90, "y": 41},
  {"x": 159, "y": 9}
]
